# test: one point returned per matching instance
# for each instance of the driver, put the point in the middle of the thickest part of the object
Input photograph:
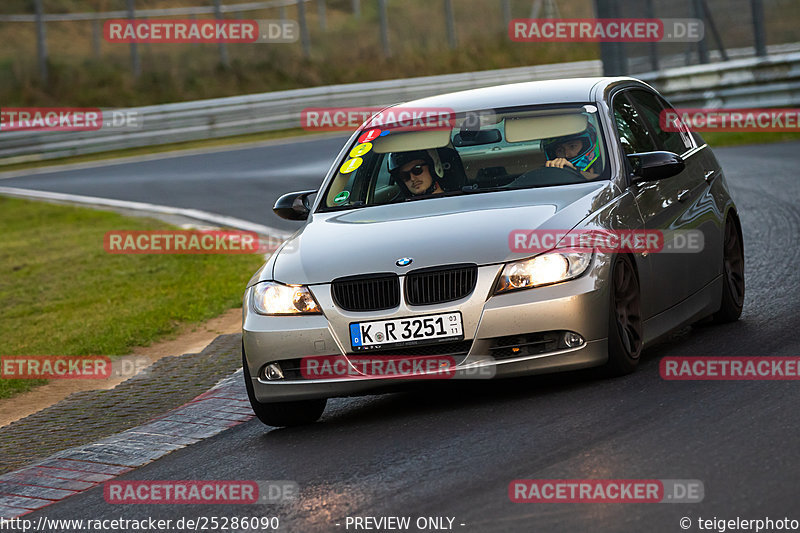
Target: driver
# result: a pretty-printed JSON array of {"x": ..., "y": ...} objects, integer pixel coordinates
[
  {"x": 416, "y": 173},
  {"x": 578, "y": 151}
]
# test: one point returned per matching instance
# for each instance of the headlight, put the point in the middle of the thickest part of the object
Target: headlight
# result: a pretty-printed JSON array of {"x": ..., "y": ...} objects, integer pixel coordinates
[
  {"x": 271, "y": 298},
  {"x": 544, "y": 269}
]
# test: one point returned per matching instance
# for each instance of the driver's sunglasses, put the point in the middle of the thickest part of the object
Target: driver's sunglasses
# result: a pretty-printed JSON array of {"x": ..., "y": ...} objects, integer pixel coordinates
[{"x": 416, "y": 170}]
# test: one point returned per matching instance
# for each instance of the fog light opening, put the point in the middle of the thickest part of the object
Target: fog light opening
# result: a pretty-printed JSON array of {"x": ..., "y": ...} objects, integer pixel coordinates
[
  {"x": 272, "y": 372},
  {"x": 572, "y": 339}
]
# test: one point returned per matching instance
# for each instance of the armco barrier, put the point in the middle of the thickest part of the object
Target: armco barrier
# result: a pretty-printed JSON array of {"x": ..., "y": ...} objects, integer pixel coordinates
[
  {"x": 772, "y": 81},
  {"x": 255, "y": 113}
]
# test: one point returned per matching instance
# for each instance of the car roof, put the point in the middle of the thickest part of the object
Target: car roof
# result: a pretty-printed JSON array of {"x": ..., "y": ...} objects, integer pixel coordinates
[{"x": 571, "y": 90}]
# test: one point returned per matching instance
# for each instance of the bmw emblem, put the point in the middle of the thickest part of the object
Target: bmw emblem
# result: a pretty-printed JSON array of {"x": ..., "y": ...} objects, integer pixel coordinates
[{"x": 403, "y": 261}]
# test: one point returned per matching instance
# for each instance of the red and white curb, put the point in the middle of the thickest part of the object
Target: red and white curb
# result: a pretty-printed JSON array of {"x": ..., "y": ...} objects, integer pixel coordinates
[{"x": 75, "y": 470}]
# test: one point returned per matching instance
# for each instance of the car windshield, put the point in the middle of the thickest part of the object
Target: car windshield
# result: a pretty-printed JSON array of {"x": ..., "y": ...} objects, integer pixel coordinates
[{"x": 475, "y": 152}]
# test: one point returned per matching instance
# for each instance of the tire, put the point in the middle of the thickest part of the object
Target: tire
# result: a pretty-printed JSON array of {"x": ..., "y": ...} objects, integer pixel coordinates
[
  {"x": 732, "y": 275},
  {"x": 282, "y": 414},
  {"x": 624, "y": 319}
]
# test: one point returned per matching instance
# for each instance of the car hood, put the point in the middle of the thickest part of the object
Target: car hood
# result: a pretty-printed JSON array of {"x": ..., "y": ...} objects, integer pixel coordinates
[{"x": 471, "y": 228}]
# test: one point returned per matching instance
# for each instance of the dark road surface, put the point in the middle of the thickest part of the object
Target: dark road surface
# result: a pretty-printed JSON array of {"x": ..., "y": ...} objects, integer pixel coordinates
[
  {"x": 452, "y": 452},
  {"x": 242, "y": 183}
]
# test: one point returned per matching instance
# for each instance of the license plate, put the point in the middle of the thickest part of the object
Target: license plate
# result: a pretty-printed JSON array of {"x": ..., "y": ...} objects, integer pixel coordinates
[{"x": 406, "y": 331}]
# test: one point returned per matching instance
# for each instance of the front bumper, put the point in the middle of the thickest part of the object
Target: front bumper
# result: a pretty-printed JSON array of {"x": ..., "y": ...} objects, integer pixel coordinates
[{"x": 579, "y": 305}]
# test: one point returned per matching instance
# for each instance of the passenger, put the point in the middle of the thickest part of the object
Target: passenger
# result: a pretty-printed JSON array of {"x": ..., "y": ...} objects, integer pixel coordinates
[
  {"x": 417, "y": 173},
  {"x": 579, "y": 151}
]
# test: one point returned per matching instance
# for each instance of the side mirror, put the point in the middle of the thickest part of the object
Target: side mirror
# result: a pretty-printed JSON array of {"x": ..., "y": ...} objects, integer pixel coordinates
[
  {"x": 651, "y": 166},
  {"x": 293, "y": 205}
]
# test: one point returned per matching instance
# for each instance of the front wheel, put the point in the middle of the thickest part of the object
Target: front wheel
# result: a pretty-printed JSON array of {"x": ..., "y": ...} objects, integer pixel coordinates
[
  {"x": 625, "y": 320},
  {"x": 732, "y": 276},
  {"x": 282, "y": 414}
]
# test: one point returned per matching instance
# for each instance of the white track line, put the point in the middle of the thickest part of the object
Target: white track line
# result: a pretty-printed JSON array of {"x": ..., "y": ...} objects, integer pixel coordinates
[{"x": 196, "y": 214}]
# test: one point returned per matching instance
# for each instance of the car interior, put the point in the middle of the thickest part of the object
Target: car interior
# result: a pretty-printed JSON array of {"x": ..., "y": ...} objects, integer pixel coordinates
[{"x": 505, "y": 152}]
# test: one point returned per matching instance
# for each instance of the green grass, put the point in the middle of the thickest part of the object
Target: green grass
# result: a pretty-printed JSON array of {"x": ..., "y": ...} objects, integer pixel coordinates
[
  {"x": 62, "y": 294},
  {"x": 348, "y": 50},
  {"x": 736, "y": 138}
]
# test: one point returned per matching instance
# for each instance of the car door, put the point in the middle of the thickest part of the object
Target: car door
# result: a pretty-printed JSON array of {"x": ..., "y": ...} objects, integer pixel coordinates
[
  {"x": 695, "y": 269},
  {"x": 658, "y": 204}
]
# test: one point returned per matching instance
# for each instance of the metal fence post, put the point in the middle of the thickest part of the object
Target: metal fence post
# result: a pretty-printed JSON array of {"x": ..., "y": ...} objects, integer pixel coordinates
[
  {"x": 357, "y": 8},
  {"x": 451, "y": 24},
  {"x": 506, "y": 15},
  {"x": 615, "y": 60},
  {"x": 223, "y": 50},
  {"x": 301, "y": 16},
  {"x": 135, "y": 66},
  {"x": 757, "y": 8},
  {"x": 650, "y": 13},
  {"x": 194, "y": 17},
  {"x": 321, "y": 14},
  {"x": 702, "y": 47},
  {"x": 709, "y": 20},
  {"x": 96, "y": 38},
  {"x": 384, "y": 28},
  {"x": 41, "y": 40}
]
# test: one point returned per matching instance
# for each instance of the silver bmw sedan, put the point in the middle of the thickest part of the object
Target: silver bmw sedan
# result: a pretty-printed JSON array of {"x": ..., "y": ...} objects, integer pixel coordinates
[{"x": 507, "y": 231}]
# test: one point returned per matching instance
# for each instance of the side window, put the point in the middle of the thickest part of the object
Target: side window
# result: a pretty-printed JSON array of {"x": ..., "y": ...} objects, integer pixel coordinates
[
  {"x": 651, "y": 108},
  {"x": 633, "y": 135}
]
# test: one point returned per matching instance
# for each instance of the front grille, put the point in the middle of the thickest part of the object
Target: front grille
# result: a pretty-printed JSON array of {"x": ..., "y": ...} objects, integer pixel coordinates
[
  {"x": 443, "y": 348},
  {"x": 524, "y": 345},
  {"x": 367, "y": 293},
  {"x": 428, "y": 286}
]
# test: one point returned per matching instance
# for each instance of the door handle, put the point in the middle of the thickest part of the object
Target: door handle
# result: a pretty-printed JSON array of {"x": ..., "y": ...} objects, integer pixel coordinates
[
  {"x": 709, "y": 175},
  {"x": 683, "y": 195}
]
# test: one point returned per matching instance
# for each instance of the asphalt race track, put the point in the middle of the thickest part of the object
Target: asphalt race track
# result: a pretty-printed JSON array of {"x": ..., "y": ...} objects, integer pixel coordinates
[
  {"x": 241, "y": 183},
  {"x": 452, "y": 452}
]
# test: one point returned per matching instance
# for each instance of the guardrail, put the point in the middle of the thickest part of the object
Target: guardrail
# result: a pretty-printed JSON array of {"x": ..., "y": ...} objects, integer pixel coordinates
[
  {"x": 256, "y": 113},
  {"x": 772, "y": 81}
]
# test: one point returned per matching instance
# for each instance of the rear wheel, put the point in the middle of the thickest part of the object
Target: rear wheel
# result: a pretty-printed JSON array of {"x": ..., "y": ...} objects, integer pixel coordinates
[
  {"x": 282, "y": 414},
  {"x": 624, "y": 320},
  {"x": 732, "y": 275}
]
